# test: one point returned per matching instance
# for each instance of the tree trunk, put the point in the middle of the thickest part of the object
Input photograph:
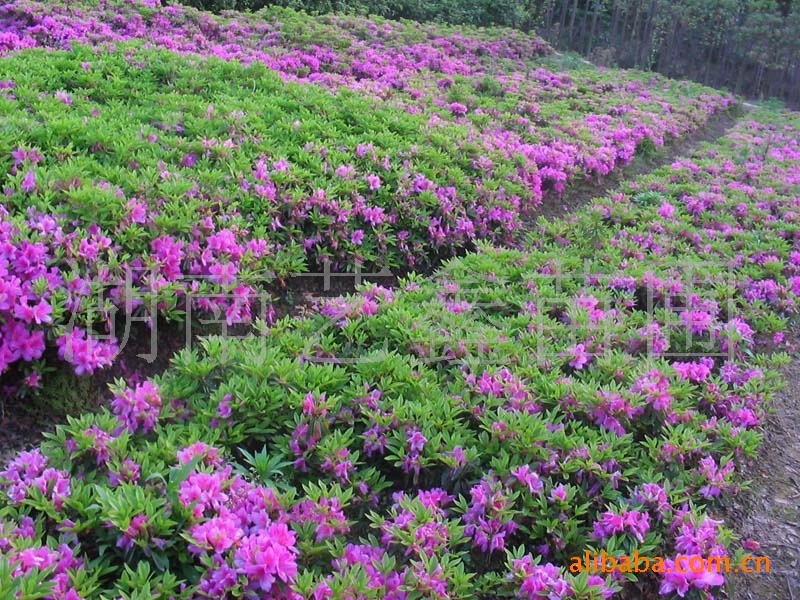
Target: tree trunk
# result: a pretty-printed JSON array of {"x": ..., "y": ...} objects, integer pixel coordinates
[
  {"x": 647, "y": 44},
  {"x": 572, "y": 21},
  {"x": 597, "y": 5},
  {"x": 564, "y": 12},
  {"x": 584, "y": 20},
  {"x": 624, "y": 32},
  {"x": 612, "y": 38},
  {"x": 636, "y": 37}
]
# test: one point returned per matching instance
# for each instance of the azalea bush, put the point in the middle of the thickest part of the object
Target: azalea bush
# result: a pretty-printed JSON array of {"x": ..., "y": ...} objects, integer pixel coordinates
[
  {"x": 460, "y": 436},
  {"x": 172, "y": 162}
]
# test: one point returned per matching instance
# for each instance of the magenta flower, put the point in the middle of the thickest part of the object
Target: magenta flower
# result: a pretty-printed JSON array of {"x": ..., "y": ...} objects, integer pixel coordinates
[
  {"x": 530, "y": 478},
  {"x": 138, "y": 408},
  {"x": 266, "y": 557},
  {"x": 539, "y": 581},
  {"x": 697, "y": 321},
  {"x": 357, "y": 237},
  {"x": 416, "y": 441},
  {"x": 694, "y": 371},
  {"x": 223, "y": 274},
  {"x": 558, "y": 493},
  {"x": 29, "y": 182},
  {"x": 666, "y": 210},
  {"x": 64, "y": 97},
  {"x": 458, "y": 109},
  {"x": 217, "y": 534},
  {"x": 281, "y": 165},
  {"x": 579, "y": 357},
  {"x": 679, "y": 578},
  {"x": 39, "y": 313},
  {"x": 204, "y": 491},
  {"x": 85, "y": 352}
]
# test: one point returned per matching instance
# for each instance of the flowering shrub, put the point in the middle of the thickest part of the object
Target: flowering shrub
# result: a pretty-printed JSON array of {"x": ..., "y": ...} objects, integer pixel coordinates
[
  {"x": 140, "y": 182},
  {"x": 466, "y": 435}
]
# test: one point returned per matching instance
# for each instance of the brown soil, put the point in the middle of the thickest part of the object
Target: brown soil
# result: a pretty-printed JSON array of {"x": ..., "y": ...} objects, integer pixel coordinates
[{"x": 769, "y": 512}]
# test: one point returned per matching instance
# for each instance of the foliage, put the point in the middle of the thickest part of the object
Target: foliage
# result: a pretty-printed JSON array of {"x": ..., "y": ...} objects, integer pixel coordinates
[
  {"x": 145, "y": 182},
  {"x": 748, "y": 46},
  {"x": 462, "y": 436}
]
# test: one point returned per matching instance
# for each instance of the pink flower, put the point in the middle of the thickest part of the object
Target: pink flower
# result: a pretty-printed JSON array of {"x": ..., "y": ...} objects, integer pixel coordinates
[
  {"x": 539, "y": 581},
  {"x": 64, "y": 97},
  {"x": 558, "y": 493},
  {"x": 684, "y": 572},
  {"x": 608, "y": 524},
  {"x": 357, "y": 237},
  {"x": 530, "y": 478},
  {"x": 138, "y": 408},
  {"x": 39, "y": 313},
  {"x": 579, "y": 356},
  {"x": 673, "y": 580},
  {"x": 697, "y": 321},
  {"x": 694, "y": 371},
  {"x": 204, "y": 491},
  {"x": 223, "y": 274},
  {"x": 374, "y": 182},
  {"x": 217, "y": 534},
  {"x": 266, "y": 557},
  {"x": 457, "y": 109},
  {"x": 29, "y": 182},
  {"x": 211, "y": 456}
]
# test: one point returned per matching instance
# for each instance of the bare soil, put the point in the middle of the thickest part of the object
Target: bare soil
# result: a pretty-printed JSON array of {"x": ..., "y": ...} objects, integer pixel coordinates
[{"x": 769, "y": 512}]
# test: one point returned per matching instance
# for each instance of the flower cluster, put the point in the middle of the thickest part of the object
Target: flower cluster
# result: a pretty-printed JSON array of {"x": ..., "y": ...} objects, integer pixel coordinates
[{"x": 463, "y": 436}]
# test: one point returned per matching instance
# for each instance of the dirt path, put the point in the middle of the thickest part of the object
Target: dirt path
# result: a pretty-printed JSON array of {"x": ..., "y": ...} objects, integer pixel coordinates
[{"x": 770, "y": 512}]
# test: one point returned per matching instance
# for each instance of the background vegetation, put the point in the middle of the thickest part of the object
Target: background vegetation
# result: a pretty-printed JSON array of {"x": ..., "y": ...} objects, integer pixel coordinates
[{"x": 752, "y": 47}]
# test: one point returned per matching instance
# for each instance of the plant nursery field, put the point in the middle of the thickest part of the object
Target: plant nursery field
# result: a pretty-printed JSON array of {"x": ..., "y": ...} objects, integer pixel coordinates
[{"x": 530, "y": 389}]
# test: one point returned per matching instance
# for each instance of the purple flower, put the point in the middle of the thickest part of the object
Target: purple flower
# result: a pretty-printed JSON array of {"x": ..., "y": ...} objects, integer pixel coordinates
[
  {"x": 357, "y": 237},
  {"x": 266, "y": 557},
  {"x": 558, "y": 493},
  {"x": 138, "y": 408},
  {"x": 29, "y": 182},
  {"x": 217, "y": 534},
  {"x": 458, "y": 109},
  {"x": 224, "y": 407},
  {"x": 416, "y": 441}
]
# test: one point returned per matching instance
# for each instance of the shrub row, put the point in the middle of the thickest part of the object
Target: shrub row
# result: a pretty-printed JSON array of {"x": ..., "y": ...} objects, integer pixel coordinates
[
  {"x": 151, "y": 182},
  {"x": 459, "y": 437}
]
